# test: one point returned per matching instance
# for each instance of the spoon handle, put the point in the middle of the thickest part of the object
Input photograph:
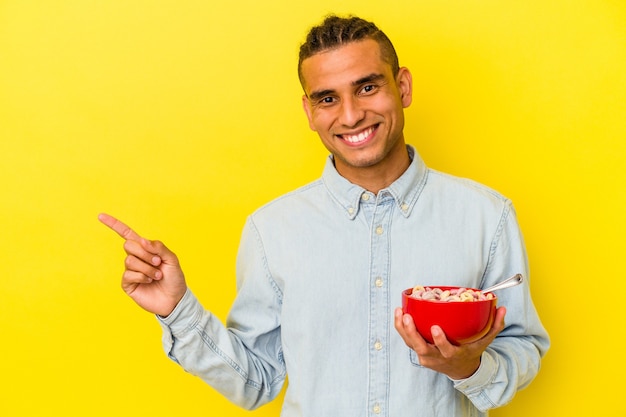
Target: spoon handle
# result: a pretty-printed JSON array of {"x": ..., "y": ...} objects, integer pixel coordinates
[{"x": 509, "y": 282}]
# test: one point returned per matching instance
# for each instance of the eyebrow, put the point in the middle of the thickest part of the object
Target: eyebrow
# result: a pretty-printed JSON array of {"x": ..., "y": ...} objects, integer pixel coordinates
[
  {"x": 316, "y": 95},
  {"x": 368, "y": 79}
]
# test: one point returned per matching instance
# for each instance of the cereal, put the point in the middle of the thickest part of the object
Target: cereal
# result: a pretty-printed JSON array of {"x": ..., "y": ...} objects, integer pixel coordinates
[{"x": 455, "y": 294}]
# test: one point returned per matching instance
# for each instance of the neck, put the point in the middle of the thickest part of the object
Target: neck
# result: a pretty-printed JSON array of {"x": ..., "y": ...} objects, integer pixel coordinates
[{"x": 377, "y": 176}]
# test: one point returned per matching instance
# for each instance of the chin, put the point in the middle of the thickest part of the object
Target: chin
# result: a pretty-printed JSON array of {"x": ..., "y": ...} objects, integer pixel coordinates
[{"x": 361, "y": 161}]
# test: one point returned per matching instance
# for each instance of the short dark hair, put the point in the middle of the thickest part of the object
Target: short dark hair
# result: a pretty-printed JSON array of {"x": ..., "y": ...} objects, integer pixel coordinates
[{"x": 336, "y": 31}]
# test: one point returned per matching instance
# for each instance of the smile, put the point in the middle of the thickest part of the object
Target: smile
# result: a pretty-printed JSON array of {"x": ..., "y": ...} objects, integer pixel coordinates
[{"x": 360, "y": 137}]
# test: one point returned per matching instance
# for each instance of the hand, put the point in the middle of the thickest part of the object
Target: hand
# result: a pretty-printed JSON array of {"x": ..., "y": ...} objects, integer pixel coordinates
[
  {"x": 152, "y": 277},
  {"x": 457, "y": 362}
]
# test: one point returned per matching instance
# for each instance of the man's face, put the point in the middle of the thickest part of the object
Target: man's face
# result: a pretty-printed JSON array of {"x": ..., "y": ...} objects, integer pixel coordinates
[{"x": 355, "y": 104}]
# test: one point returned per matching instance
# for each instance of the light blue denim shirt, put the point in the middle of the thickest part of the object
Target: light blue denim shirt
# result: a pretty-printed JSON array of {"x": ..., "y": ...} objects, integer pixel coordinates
[{"x": 319, "y": 273}]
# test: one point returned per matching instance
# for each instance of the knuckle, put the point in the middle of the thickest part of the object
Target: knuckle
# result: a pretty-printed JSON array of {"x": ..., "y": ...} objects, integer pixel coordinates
[
  {"x": 125, "y": 279},
  {"x": 128, "y": 245},
  {"x": 416, "y": 347}
]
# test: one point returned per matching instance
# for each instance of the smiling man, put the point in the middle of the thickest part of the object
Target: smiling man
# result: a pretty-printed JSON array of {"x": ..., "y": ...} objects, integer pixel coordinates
[
  {"x": 354, "y": 100},
  {"x": 321, "y": 269}
]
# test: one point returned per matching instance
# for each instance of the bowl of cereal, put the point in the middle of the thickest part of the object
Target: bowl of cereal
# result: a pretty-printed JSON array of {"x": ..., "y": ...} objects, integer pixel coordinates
[{"x": 464, "y": 314}]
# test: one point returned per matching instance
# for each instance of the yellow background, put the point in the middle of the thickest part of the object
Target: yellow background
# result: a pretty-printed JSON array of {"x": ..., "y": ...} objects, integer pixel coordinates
[{"x": 181, "y": 117}]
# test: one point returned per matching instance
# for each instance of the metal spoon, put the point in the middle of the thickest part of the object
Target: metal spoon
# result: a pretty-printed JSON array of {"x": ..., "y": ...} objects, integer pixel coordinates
[{"x": 509, "y": 282}]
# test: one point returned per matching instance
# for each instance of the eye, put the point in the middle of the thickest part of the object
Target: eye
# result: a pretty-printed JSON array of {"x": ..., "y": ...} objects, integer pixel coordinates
[
  {"x": 325, "y": 101},
  {"x": 369, "y": 88}
]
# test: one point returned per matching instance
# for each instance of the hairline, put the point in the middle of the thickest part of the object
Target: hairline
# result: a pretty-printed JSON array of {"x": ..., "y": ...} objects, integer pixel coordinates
[{"x": 385, "y": 57}]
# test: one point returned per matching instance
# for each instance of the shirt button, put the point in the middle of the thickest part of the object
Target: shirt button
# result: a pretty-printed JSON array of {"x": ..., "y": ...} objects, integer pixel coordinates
[
  {"x": 404, "y": 207},
  {"x": 376, "y": 408},
  {"x": 378, "y": 282},
  {"x": 378, "y": 345},
  {"x": 379, "y": 230},
  {"x": 351, "y": 210},
  {"x": 365, "y": 197}
]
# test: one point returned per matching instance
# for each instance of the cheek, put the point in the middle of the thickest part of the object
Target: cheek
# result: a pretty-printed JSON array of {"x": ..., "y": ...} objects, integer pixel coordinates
[
  {"x": 395, "y": 108},
  {"x": 320, "y": 121},
  {"x": 310, "y": 114},
  {"x": 311, "y": 124}
]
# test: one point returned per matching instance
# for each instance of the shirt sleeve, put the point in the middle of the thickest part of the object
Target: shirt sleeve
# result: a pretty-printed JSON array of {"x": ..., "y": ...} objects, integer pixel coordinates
[
  {"x": 242, "y": 359},
  {"x": 513, "y": 359}
]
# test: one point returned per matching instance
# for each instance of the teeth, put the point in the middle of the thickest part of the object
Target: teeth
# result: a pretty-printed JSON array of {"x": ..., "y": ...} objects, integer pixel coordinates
[{"x": 360, "y": 137}]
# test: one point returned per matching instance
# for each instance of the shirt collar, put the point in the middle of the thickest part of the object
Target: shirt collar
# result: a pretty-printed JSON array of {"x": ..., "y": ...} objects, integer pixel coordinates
[{"x": 405, "y": 190}]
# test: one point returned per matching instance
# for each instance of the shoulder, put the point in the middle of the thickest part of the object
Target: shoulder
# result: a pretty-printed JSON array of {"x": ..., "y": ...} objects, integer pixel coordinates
[
  {"x": 464, "y": 186},
  {"x": 464, "y": 194},
  {"x": 300, "y": 197}
]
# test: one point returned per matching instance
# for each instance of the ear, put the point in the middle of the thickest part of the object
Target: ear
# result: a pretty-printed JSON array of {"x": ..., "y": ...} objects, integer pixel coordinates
[
  {"x": 404, "y": 81},
  {"x": 306, "y": 105}
]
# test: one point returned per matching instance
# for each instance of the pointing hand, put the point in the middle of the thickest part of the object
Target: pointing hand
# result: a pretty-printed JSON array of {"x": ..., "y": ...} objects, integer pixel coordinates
[{"x": 152, "y": 276}]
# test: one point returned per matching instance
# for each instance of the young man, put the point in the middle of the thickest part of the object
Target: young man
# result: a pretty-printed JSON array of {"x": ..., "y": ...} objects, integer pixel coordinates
[{"x": 320, "y": 270}]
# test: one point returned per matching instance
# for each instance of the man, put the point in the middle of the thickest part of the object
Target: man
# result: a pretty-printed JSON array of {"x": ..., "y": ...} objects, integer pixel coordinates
[{"x": 320, "y": 270}]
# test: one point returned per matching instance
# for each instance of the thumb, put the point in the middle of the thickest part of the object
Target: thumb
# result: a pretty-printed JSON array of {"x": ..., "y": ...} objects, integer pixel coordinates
[
  {"x": 162, "y": 255},
  {"x": 498, "y": 321}
]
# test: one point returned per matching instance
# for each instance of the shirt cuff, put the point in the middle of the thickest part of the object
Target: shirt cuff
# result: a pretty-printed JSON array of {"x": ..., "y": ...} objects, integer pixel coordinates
[
  {"x": 184, "y": 317},
  {"x": 474, "y": 386}
]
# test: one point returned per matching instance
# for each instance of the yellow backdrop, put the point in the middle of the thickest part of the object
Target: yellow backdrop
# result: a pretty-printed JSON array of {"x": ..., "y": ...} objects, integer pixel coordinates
[{"x": 181, "y": 117}]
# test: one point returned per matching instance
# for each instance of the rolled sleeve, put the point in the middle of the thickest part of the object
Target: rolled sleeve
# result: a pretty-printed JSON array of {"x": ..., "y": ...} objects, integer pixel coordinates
[
  {"x": 474, "y": 386},
  {"x": 181, "y": 320}
]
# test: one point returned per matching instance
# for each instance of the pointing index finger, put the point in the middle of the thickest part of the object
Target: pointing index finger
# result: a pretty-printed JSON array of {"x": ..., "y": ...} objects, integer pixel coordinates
[{"x": 118, "y": 227}]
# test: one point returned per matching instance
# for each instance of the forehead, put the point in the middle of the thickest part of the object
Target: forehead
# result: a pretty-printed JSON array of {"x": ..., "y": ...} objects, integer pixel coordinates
[{"x": 340, "y": 67}]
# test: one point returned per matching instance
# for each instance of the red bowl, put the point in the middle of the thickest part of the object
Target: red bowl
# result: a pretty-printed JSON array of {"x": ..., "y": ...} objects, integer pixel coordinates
[{"x": 461, "y": 321}]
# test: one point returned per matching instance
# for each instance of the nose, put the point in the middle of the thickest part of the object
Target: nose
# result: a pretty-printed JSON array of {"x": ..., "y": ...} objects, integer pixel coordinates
[{"x": 351, "y": 112}]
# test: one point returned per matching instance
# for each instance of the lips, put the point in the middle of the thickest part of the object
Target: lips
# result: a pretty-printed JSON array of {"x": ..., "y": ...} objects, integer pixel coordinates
[{"x": 359, "y": 137}]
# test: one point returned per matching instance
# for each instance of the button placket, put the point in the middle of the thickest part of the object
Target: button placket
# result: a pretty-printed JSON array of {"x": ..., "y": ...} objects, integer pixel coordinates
[{"x": 379, "y": 304}]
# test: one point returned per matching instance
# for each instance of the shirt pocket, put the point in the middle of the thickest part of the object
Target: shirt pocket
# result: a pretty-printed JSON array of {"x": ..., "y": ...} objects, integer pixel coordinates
[{"x": 415, "y": 361}]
